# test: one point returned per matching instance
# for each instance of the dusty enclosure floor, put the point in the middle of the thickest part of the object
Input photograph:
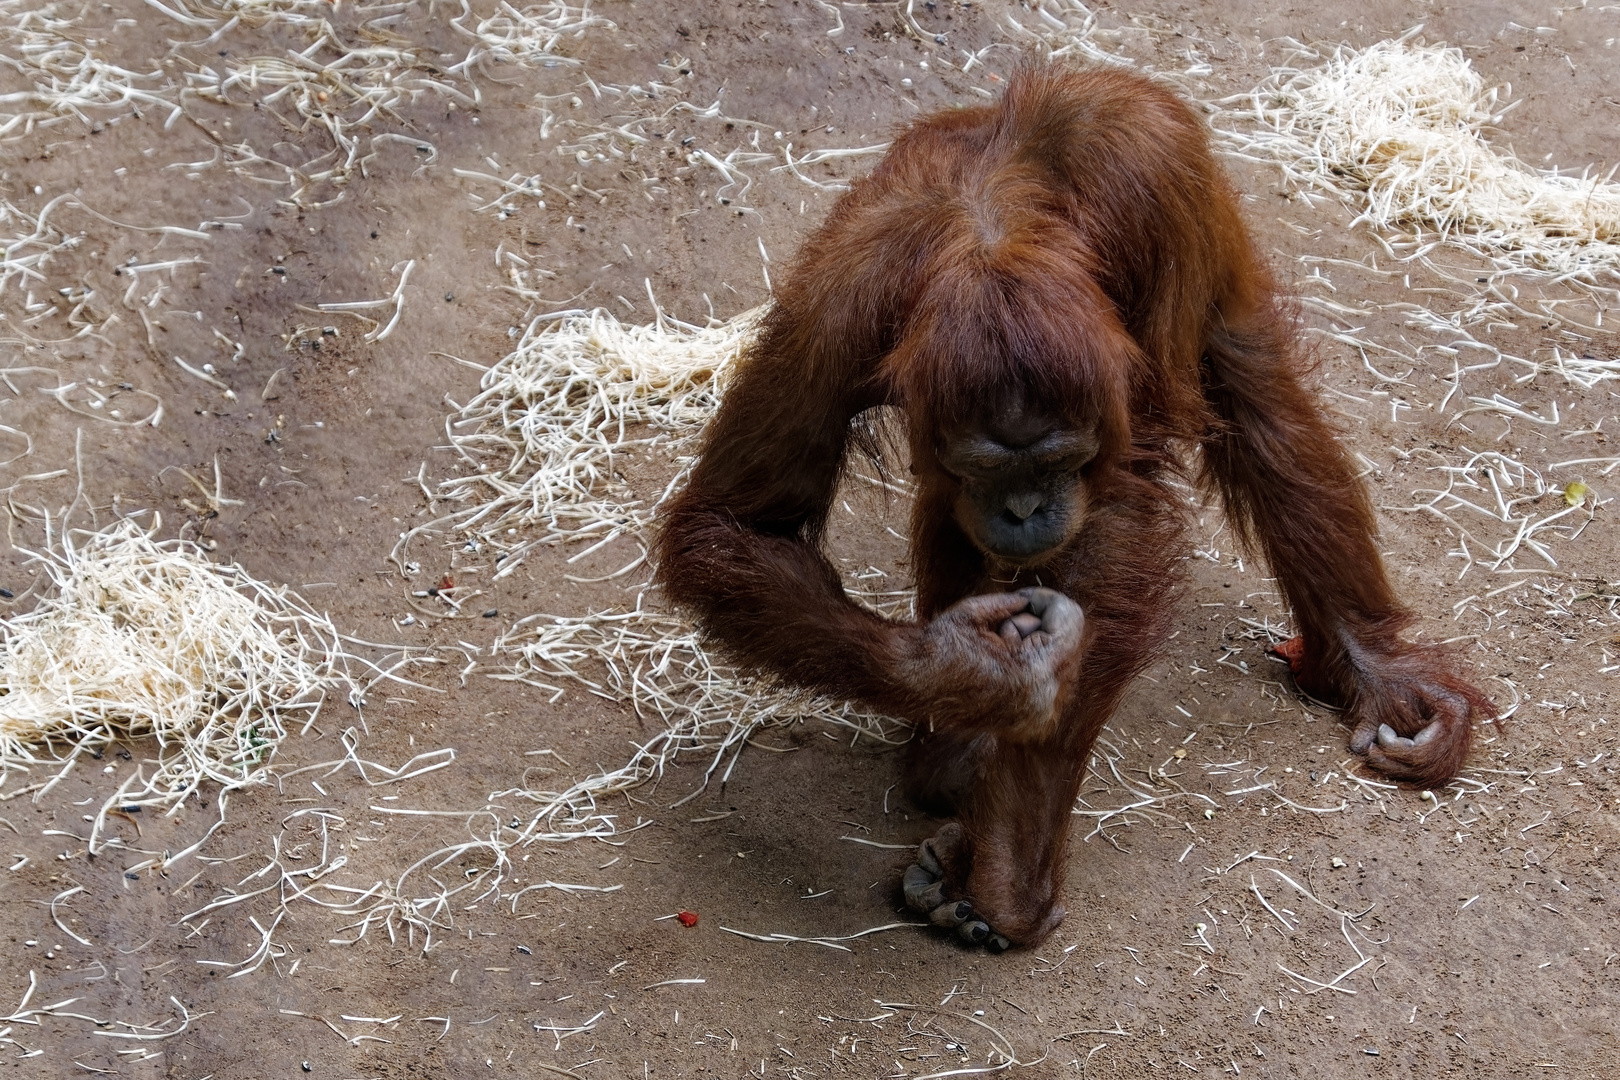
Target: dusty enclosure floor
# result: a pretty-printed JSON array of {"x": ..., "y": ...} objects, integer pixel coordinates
[{"x": 207, "y": 218}]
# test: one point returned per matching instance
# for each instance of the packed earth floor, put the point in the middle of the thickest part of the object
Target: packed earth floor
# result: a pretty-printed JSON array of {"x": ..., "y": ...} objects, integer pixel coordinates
[{"x": 272, "y": 273}]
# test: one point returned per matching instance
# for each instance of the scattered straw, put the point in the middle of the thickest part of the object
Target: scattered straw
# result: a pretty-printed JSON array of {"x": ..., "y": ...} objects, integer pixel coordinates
[
  {"x": 544, "y": 440},
  {"x": 63, "y": 75},
  {"x": 1491, "y": 502},
  {"x": 28, "y": 241},
  {"x": 533, "y": 35},
  {"x": 332, "y": 84},
  {"x": 1066, "y": 28},
  {"x": 394, "y": 301},
  {"x": 1400, "y": 127},
  {"x": 658, "y": 664},
  {"x": 141, "y": 637},
  {"x": 1001, "y": 1055}
]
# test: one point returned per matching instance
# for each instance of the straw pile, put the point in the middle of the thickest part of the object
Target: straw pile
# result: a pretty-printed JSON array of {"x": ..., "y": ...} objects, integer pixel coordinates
[
  {"x": 559, "y": 414},
  {"x": 140, "y": 637},
  {"x": 1401, "y": 128}
]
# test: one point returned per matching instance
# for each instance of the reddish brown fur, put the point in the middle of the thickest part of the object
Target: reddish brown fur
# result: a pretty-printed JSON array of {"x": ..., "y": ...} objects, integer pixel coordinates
[{"x": 1076, "y": 243}]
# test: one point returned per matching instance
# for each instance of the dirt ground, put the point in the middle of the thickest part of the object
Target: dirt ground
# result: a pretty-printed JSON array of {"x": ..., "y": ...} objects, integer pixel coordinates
[{"x": 1483, "y": 911}]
